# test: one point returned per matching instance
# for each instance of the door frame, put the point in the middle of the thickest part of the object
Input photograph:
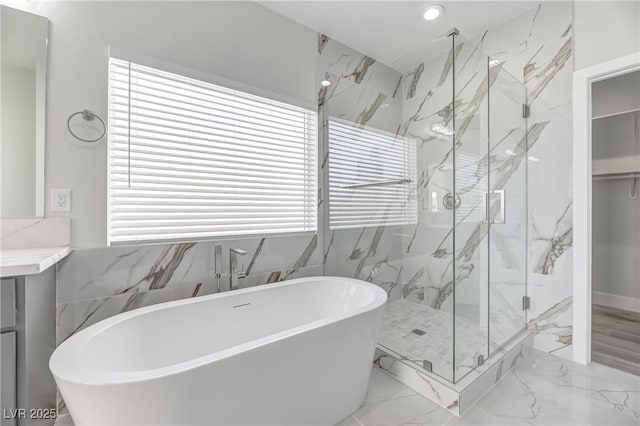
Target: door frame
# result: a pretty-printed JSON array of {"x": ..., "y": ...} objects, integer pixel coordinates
[{"x": 582, "y": 81}]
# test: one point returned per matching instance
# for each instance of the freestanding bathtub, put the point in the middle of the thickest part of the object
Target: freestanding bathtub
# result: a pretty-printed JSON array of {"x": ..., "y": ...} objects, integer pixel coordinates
[{"x": 294, "y": 353}]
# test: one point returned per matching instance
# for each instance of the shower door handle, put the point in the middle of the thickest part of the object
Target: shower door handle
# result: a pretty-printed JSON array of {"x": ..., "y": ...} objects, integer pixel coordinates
[
  {"x": 501, "y": 213},
  {"x": 486, "y": 206}
]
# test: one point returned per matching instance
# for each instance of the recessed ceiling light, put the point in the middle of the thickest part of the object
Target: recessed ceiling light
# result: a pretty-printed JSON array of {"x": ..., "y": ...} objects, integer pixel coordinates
[
  {"x": 433, "y": 12},
  {"x": 325, "y": 83}
]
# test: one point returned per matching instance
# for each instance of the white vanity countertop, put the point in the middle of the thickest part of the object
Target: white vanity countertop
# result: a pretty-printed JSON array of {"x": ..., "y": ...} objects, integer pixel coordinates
[{"x": 30, "y": 261}]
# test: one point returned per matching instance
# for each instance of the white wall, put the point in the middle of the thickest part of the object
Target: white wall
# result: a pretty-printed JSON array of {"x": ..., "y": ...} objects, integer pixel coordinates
[
  {"x": 605, "y": 30},
  {"x": 240, "y": 41},
  {"x": 18, "y": 154},
  {"x": 616, "y": 239}
]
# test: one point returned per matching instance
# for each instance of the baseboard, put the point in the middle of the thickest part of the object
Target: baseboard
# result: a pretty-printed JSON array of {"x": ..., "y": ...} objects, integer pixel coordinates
[{"x": 614, "y": 301}]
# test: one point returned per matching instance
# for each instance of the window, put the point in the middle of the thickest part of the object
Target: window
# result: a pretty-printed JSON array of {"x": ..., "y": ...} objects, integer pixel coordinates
[
  {"x": 189, "y": 159},
  {"x": 470, "y": 187},
  {"x": 371, "y": 177}
]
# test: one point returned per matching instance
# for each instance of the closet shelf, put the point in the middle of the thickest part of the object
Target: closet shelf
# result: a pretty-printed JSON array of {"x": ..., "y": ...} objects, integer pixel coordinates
[
  {"x": 614, "y": 114},
  {"x": 608, "y": 166}
]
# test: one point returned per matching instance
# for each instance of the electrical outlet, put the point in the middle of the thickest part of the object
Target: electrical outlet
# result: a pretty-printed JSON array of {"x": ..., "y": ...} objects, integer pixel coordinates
[{"x": 60, "y": 200}]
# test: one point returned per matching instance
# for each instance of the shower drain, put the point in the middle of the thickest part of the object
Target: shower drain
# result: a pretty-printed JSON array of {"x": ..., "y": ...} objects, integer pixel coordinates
[{"x": 418, "y": 332}]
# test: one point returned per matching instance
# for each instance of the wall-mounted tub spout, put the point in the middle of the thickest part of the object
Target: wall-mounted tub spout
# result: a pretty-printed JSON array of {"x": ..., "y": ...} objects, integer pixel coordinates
[
  {"x": 217, "y": 264},
  {"x": 233, "y": 267}
]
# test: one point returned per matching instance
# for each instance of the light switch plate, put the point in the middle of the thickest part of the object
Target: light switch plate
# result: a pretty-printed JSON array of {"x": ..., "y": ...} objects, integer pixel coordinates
[{"x": 61, "y": 200}]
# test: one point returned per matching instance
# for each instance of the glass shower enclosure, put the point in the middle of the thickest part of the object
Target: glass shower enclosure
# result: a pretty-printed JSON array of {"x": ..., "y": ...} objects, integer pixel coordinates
[{"x": 435, "y": 180}]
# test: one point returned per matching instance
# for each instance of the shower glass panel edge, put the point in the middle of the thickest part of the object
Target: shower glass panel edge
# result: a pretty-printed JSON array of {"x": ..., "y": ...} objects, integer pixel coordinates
[
  {"x": 471, "y": 226},
  {"x": 508, "y": 171},
  {"x": 444, "y": 269},
  {"x": 428, "y": 246}
]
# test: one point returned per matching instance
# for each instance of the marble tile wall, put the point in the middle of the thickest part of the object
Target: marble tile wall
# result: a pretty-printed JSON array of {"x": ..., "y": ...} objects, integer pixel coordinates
[
  {"x": 537, "y": 48},
  {"x": 485, "y": 123},
  {"x": 532, "y": 50},
  {"x": 366, "y": 93},
  {"x": 94, "y": 284}
]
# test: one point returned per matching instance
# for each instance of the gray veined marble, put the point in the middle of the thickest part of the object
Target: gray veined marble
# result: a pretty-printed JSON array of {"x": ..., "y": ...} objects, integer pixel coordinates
[
  {"x": 541, "y": 390},
  {"x": 398, "y": 333},
  {"x": 95, "y": 284},
  {"x": 558, "y": 243},
  {"x": 163, "y": 268},
  {"x": 546, "y": 323},
  {"x": 551, "y": 68}
]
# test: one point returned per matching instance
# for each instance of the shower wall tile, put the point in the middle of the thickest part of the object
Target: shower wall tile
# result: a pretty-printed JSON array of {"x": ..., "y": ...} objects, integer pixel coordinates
[
  {"x": 365, "y": 93},
  {"x": 537, "y": 48},
  {"x": 534, "y": 49},
  {"x": 345, "y": 67}
]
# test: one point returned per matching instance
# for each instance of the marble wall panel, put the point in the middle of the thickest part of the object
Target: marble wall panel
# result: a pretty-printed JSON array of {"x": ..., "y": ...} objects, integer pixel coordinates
[
  {"x": 366, "y": 93},
  {"x": 532, "y": 50},
  {"x": 95, "y": 284}
]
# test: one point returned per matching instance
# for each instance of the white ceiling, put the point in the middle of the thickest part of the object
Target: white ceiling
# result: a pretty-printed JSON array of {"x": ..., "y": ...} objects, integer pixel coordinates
[{"x": 389, "y": 30}]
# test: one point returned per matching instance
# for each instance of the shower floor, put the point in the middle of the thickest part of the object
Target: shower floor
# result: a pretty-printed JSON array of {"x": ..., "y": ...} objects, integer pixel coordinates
[{"x": 419, "y": 333}]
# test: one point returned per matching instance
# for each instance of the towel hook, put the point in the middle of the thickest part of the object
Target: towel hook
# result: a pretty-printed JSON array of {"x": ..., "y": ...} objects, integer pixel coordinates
[{"x": 87, "y": 116}]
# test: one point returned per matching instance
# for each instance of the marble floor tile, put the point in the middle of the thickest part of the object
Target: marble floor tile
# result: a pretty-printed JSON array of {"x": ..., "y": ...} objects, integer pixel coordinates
[
  {"x": 389, "y": 402},
  {"x": 383, "y": 387},
  {"x": 547, "y": 390},
  {"x": 349, "y": 421},
  {"x": 541, "y": 390}
]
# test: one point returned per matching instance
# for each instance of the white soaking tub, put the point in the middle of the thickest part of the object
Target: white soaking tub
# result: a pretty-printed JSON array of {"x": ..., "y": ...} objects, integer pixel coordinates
[{"x": 294, "y": 353}]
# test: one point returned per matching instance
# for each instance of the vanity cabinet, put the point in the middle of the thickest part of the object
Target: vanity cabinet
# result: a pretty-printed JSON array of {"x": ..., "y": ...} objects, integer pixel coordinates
[
  {"x": 27, "y": 315},
  {"x": 8, "y": 303},
  {"x": 8, "y": 349},
  {"x": 8, "y": 365}
]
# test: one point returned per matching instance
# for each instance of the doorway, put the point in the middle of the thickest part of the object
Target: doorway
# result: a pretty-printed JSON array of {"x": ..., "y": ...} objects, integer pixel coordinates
[{"x": 607, "y": 214}]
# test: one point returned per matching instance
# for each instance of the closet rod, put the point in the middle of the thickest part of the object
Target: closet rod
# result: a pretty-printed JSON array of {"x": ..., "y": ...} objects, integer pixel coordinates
[{"x": 607, "y": 176}]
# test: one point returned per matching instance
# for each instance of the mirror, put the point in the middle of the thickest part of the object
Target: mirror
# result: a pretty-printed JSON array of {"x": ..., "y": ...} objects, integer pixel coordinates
[{"x": 22, "y": 118}]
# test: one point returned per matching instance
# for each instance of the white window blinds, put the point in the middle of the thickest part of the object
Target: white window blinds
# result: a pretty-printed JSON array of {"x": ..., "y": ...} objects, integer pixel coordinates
[
  {"x": 371, "y": 177},
  {"x": 469, "y": 189},
  {"x": 189, "y": 159}
]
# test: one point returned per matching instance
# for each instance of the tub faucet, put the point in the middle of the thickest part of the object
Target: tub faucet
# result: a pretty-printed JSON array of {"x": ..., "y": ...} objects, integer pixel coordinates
[
  {"x": 217, "y": 260},
  {"x": 234, "y": 274}
]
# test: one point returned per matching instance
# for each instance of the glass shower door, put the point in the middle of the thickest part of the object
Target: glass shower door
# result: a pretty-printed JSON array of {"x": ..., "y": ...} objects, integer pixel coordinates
[
  {"x": 508, "y": 206},
  {"x": 471, "y": 226},
  {"x": 490, "y": 208}
]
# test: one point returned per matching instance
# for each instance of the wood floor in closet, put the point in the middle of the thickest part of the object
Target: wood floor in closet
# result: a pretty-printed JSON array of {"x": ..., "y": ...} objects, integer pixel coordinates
[{"x": 615, "y": 338}]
